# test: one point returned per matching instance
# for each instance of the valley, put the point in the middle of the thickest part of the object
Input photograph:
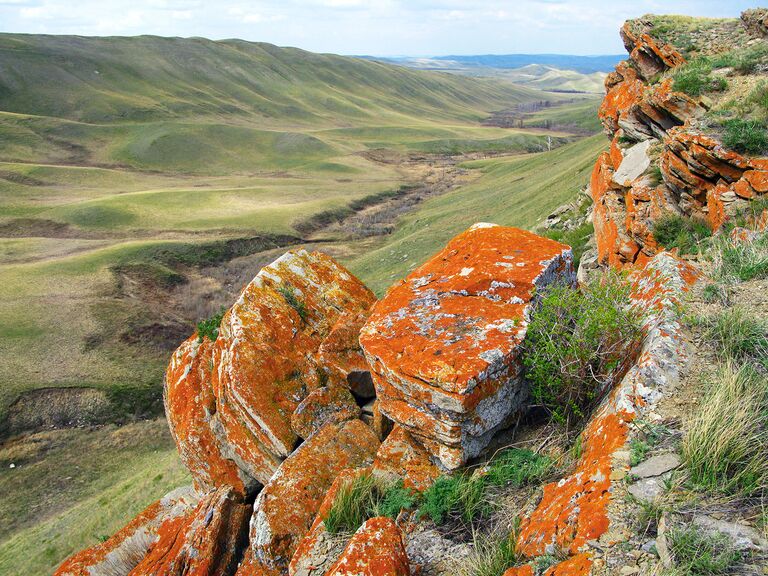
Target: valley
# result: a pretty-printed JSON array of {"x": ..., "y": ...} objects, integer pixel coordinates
[{"x": 126, "y": 221}]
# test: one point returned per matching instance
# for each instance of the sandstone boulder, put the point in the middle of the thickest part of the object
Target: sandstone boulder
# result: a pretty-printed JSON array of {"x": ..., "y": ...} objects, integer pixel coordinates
[
  {"x": 285, "y": 508},
  {"x": 376, "y": 549},
  {"x": 230, "y": 402},
  {"x": 444, "y": 344},
  {"x": 326, "y": 404},
  {"x": 122, "y": 552}
]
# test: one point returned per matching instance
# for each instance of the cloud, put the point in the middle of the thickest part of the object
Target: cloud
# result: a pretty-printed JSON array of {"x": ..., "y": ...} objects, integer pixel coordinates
[{"x": 378, "y": 27}]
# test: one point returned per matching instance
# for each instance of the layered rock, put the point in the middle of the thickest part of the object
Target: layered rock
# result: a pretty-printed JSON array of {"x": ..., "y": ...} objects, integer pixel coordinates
[
  {"x": 326, "y": 404},
  {"x": 230, "y": 402},
  {"x": 402, "y": 457},
  {"x": 342, "y": 358},
  {"x": 286, "y": 507},
  {"x": 376, "y": 549},
  {"x": 675, "y": 168},
  {"x": 444, "y": 344}
]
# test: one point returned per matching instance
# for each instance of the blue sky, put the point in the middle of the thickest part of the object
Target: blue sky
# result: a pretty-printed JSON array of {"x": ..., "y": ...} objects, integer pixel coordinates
[{"x": 380, "y": 27}]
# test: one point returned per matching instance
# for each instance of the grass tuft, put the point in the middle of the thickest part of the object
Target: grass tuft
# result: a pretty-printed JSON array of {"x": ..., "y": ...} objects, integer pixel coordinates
[
  {"x": 698, "y": 554},
  {"x": 745, "y": 135},
  {"x": 739, "y": 335},
  {"x": 289, "y": 293},
  {"x": 725, "y": 448},
  {"x": 685, "y": 234},
  {"x": 740, "y": 261}
]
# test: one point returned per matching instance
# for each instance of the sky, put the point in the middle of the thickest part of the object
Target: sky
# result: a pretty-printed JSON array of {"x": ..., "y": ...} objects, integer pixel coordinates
[{"x": 377, "y": 27}]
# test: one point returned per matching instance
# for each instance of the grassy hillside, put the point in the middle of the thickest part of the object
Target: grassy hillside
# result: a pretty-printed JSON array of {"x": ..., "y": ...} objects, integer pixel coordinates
[{"x": 518, "y": 191}]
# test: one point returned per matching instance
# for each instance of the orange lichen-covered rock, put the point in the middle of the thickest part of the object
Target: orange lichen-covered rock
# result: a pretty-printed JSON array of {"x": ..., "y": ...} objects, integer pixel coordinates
[
  {"x": 579, "y": 565},
  {"x": 317, "y": 550},
  {"x": 649, "y": 57},
  {"x": 376, "y": 549},
  {"x": 265, "y": 357},
  {"x": 342, "y": 357},
  {"x": 524, "y": 570},
  {"x": 444, "y": 344},
  {"x": 400, "y": 457},
  {"x": 125, "y": 549},
  {"x": 206, "y": 542},
  {"x": 573, "y": 510},
  {"x": 286, "y": 507},
  {"x": 191, "y": 410},
  {"x": 326, "y": 404}
]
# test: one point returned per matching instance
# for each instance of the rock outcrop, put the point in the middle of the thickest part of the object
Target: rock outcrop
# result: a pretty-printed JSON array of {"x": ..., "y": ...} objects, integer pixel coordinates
[
  {"x": 444, "y": 344},
  {"x": 662, "y": 159},
  {"x": 230, "y": 402}
]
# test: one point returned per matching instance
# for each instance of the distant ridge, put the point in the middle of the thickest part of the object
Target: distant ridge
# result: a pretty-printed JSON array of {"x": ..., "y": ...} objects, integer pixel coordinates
[{"x": 583, "y": 64}]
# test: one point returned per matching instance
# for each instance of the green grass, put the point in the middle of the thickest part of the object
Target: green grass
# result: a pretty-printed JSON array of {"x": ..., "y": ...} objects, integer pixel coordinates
[
  {"x": 746, "y": 135},
  {"x": 738, "y": 335},
  {"x": 509, "y": 191},
  {"x": 464, "y": 497},
  {"x": 740, "y": 261},
  {"x": 685, "y": 234},
  {"x": 73, "y": 487},
  {"x": 725, "y": 448},
  {"x": 209, "y": 327},
  {"x": 366, "y": 497},
  {"x": 698, "y": 554}
]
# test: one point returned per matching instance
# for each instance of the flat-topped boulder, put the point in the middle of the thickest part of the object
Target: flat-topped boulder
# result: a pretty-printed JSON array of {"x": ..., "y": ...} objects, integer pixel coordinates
[{"x": 444, "y": 344}]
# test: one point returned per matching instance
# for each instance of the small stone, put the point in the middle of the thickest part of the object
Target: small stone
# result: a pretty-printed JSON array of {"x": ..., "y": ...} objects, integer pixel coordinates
[
  {"x": 617, "y": 475},
  {"x": 627, "y": 570},
  {"x": 656, "y": 465},
  {"x": 647, "y": 489},
  {"x": 12, "y": 465}
]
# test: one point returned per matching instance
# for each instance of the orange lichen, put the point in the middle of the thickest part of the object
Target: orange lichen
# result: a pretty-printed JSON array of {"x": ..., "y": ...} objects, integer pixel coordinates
[
  {"x": 579, "y": 565},
  {"x": 376, "y": 549},
  {"x": 524, "y": 570},
  {"x": 400, "y": 456},
  {"x": 443, "y": 345},
  {"x": 573, "y": 510}
]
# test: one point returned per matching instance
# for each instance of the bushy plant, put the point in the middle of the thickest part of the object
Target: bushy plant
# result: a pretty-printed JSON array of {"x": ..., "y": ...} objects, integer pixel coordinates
[
  {"x": 685, "y": 234},
  {"x": 745, "y": 135},
  {"x": 577, "y": 342},
  {"x": 694, "y": 78},
  {"x": 209, "y": 328},
  {"x": 698, "y": 554},
  {"x": 577, "y": 238},
  {"x": 725, "y": 448}
]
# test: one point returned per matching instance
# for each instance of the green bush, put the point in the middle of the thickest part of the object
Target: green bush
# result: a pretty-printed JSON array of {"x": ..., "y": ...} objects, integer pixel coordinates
[
  {"x": 725, "y": 447},
  {"x": 577, "y": 341},
  {"x": 393, "y": 499},
  {"x": 209, "y": 328},
  {"x": 576, "y": 238},
  {"x": 685, "y": 234},
  {"x": 745, "y": 135},
  {"x": 699, "y": 554}
]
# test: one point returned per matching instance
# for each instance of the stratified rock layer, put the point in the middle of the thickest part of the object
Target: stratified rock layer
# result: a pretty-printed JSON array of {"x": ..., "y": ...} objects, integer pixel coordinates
[
  {"x": 678, "y": 171},
  {"x": 230, "y": 402},
  {"x": 122, "y": 552},
  {"x": 444, "y": 344}
]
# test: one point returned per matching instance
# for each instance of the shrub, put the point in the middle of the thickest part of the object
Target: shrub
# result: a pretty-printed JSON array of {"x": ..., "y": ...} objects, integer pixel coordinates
[
  {"x": 696, "y": 553},
  {"x": 745, "y": 135},
  {"x": 209, "y": 328},
  {"x": 739, "y": 335},
  {"x": 726, "y": 445},
  {"x": 446, "y": 495},
  {"x": 685, "y": 234},
  {"x": 362, "y": 498},
  {"x": 577, "y": 342},
  {"x": 518, "y": 467},
  {"x": 290, "y": 297},
  {"x": 740, "y": 261}
]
